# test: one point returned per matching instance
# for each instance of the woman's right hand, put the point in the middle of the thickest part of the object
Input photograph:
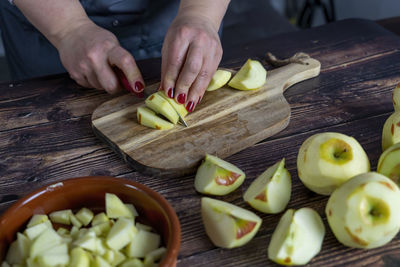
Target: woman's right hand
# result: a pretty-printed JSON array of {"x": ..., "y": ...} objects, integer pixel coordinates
[{"x": 89, "y": 54}]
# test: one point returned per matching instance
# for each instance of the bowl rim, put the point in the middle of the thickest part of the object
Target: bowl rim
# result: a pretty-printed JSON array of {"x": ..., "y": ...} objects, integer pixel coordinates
[{"x": 172, "y": 250}]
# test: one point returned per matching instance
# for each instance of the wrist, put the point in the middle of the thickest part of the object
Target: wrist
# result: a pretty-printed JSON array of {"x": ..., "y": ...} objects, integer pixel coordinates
[{"x": 56, "y": 37}]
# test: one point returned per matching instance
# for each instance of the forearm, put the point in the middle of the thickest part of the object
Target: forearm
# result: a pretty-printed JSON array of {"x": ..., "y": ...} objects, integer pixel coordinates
[
  {"x": 213, "y": 10},
  {"x": 53, "y": 18}
]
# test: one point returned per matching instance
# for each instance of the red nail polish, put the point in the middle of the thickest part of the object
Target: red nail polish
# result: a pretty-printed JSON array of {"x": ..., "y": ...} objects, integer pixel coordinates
[
  {"x": 181, "y": 98},
  {"x": 198, "y": 101},
  {"x": 190, "y": 106},
  {"x": 139, "y": 86},
  {"x": 171, "y": 93}
]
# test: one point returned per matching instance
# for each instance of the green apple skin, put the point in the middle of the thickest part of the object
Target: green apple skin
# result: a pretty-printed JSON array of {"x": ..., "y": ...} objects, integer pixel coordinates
[
  {"x": 297, "y": 238},
  {"x": 391, "y": 131},
  {"x": 270, "y": 192},
  {"x": 389, "y": 163},
  {"x": 252, "y": 75},
  {"x": 363, "y": 212},
  {"x": 327, "y": 160},
  {"x": 396, "y": 97},
  {"x": 217, "y": 177},
  {"x": 227, "y": 225}
]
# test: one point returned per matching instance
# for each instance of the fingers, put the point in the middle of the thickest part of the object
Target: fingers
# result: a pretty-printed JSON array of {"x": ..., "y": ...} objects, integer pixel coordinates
[
  {"x": 173, "y": 58},
  {"x": 122, "y": 59},
  {"x": 189, "y": 73}
]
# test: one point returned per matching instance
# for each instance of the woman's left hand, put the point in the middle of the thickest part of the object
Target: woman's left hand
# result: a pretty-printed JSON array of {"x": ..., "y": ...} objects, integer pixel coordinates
[{"x": 190, "y": 56}]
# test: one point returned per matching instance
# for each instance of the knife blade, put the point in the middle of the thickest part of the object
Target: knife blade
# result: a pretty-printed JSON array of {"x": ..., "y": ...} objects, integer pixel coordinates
[{"x": 181, "y": 120}]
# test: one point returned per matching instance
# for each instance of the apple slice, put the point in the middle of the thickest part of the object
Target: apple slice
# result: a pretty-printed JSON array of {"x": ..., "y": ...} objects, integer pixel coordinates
[
  {"x": 154, "y": 256},
  {"x": 45, "y": 241},
  {"x": 115, "y": 208},
  {"x": 396, "y": 97},
  {"x": 147, "y": 117},
  {"x": 79, "y": 257},
  {"x": 251, "y": 75},
  {"x": 327, "y": 160},
  {"x": 270, "y": 192},
  {"x": 100, "y": 218},
  {"x": 61, "y": 216},
  {"x": 389, "y": 163},
  {"x": 34, "y": 231},
  {"x": 297, "y": 238},
  {"x": 391, "y": 131},
  {"x": 133, "y": 263},
  {"x": 217, "y": 177},
  {"x": 19, "y": 250},
  {"x": 180, "y": 108},
  {"x": 363, "y": 212},
  {"x": 148, "y": 242},
  {"x": 227, "y": 225},
  {"x": 54, "y": 256},
  {"x": 121, "y": 233},
  {"x": 160, "y": 105},
  {"x": 85, "y": 216},
  {"x": 219, "y": 79},
  {"x": 37, "y": 219}
]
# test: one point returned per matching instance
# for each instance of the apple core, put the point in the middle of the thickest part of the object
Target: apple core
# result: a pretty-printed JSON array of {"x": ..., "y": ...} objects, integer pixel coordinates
[
  {"x": 336, "y": 151},
  {"x": 374, "y": 211}
]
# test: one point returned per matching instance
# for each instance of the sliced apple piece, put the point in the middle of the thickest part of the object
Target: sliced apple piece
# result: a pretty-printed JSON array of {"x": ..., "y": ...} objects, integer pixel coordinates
[
  {"x": 121, "y": 233},
  {"x": 37, "y": 219},
  {"x": 85, "y": 216},
  {"x": 147, "y": 117},
  {"x": 115, "y": 208},
  {"x": 19, "y": 250},
  {"x": 61, "y": 216},
  {"x": 327, "y": 160},
  {"x": 54, "y": 256},
  {"x": 100, "y": 262},
  {"x": 396, "y": 97},
  {"x": 252, "y": 75},
  {"x": 391, "y": 131},
  {"x": 217, "y": 177},
  {"x": 36, "y": 230},
  {"x": 270, "y": 192},
  {"x": 45, "y": 241},
  {"x": 180, "y": 108},
  {"x": 79, "y": 257},
  {"x": 100, "y": 218},
  {"x": 363, "y": 212},
  {"x": 389, "y": 163},
  {"x": 160, "y": 105},
  {"x": 219, "y": 79},
  {"x": 227, "y": 225},
  {"x": 297, "y": 238},
  {"x": 143, "y": 227},
  {"x": 133, "y": 263},
  {"x": 154, "y": 256},
  {"x": 142, "y": 243}
]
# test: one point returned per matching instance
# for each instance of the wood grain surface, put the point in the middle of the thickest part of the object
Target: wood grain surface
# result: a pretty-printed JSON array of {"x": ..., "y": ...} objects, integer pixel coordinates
[
  {"x": 225, "y": 122},
  {"x": 46, "y": 137}
]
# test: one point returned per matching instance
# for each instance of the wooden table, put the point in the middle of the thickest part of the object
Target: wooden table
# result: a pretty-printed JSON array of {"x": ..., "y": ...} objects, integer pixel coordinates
[{"x": 46, "y": 136}]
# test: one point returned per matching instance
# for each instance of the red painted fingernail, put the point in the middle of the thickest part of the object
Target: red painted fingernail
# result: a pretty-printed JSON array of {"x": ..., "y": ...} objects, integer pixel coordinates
[
  {"x": 139, "y": 86},
  {"x": 171, "y": 93},
  {"x": 181, "y": 98},
  {"x": 190, "y": 106},
  {"x": 198, "y": 101}
]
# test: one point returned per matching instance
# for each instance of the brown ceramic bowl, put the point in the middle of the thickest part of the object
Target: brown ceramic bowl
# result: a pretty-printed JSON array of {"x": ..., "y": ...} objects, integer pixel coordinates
[{"x": 90, "y": 192}]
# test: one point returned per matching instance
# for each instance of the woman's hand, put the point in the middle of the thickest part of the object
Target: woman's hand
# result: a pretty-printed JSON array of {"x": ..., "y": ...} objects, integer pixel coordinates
[
  {"x": 190, "y": 55},
  {"x": 89, "y": 54}
]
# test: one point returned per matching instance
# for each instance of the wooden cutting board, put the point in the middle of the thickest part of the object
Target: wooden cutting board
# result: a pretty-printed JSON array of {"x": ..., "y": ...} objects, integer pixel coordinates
[{"x": 225, "y": 122}]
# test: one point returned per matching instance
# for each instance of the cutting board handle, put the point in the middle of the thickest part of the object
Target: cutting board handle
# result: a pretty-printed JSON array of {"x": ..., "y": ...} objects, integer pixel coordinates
[{"x": 294, "y": 73}]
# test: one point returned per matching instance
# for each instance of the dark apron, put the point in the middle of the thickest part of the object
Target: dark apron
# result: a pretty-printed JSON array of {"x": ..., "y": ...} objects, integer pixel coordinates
[{"x": 140, "y": 26}]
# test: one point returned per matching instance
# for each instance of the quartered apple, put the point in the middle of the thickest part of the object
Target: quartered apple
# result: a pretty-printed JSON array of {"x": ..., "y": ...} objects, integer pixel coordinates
[
  {"x": 219, "y": 79},
  {"x": 92, "y": 241},
  {"x": 217, "y": 177},
  {"x": 252, "y": 75},
  {"x": 227, "y": 225},
  {"x": 327, "y": 160},
  {"x": 149, "y": 118},
  {"x": 270, "y": 192},
  {"x": 364, "y": 212},
  {"x": 389, "y": 163},
  {"x": 180, "y": 108},
  {"x": 297, "y": 238},
  {"x": 391, "y": 131}
]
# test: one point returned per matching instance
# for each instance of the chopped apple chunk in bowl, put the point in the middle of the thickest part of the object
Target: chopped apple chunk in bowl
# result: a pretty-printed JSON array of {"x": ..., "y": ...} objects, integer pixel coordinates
[{"x": 90, "y": 221}]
